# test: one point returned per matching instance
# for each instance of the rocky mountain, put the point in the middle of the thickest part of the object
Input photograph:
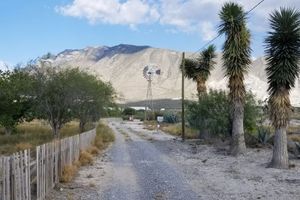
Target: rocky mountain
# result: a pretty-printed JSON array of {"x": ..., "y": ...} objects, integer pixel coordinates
[{"x": 123, "y": 65}]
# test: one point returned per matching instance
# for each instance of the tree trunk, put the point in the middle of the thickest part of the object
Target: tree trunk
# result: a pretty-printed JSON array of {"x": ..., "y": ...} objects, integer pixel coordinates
[
  {"x": 8, "y": 130},
  {"x": 201, "y": 87},
  {"x": 238, "y": 145},
  {"x": 82, "y": 126},
  {"x": 280, "y": 157},
  {"x": 55, "y": 130}
]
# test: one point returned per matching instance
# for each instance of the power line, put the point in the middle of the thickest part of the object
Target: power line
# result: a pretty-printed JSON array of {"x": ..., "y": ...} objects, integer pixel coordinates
[{"x": 207, "y": 43}]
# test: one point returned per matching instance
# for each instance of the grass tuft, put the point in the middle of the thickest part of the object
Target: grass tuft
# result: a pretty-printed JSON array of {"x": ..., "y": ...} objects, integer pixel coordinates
[
  {"x": 23, "y": 146},
  {"x": 294, "y": 137},
  {"x": 85, "y": 158},
  {"x": 68, "y": 173},
  {"x": 93, "y": 150},
  {"x": 104, "y": 136}
]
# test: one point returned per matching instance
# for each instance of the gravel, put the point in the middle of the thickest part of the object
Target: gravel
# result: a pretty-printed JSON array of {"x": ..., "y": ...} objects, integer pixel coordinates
[{"x": 144, "y": 164}]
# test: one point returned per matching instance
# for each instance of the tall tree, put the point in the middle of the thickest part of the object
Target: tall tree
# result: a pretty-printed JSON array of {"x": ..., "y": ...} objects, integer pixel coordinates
[
  {"x": 282, "y": 55},
  {"x": 53, "y": 97},
  {"x": 199, "y": 69},
  {"x": 236, "y": 59},
  {"x": 15, "y": 98},
  {"x": 90, "y": 96}
]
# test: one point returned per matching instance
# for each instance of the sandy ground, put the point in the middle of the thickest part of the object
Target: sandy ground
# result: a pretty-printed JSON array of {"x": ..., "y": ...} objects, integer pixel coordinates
[{"x": 144, "y": 164}]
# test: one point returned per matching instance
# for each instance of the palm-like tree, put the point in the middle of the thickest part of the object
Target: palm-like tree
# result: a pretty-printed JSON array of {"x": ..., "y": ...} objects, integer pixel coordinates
[
  {"x": 236, "y": 59},
  {"x": 199, "y": 69},
  {"x": 282, "y": 55}
]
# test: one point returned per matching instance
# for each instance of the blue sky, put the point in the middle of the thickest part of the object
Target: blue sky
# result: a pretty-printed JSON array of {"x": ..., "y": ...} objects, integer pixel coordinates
[{"x": 31, "y": 28}]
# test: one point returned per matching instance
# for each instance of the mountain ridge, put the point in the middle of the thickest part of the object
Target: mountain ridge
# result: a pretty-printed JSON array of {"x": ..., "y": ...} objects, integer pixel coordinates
[{"x": 122, "y": 65}]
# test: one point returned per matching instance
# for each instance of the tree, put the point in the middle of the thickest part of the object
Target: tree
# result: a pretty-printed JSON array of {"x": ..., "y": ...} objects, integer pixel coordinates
[
  {"x": 15, "y": 98},
  {"x": 52, "y": 102},
  {"x": 199, "y": 69},
  {"x": 90, "y": 96},
  {"x": 128, "y": 111},
  {"x": 282, "y": 55},
  {"x": 236, "y": 59}
]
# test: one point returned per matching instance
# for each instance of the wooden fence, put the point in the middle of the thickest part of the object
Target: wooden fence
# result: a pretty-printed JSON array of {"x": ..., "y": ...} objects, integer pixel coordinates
[{"x": 30, "y": 175}]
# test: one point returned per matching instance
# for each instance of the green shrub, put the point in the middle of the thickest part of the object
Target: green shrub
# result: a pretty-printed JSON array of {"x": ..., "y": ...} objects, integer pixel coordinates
[
  {"x": 128, "y": 111},
  {"x": 171, "y": 118},
  {"x": 212, "y": 113},
  {"x": 264, "y": 135}
]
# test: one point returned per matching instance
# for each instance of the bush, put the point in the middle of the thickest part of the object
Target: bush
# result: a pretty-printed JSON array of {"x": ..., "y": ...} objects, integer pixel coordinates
[
  {"x": 93, "y": 150},
  {"x": 128, "y": 111},
  {"x": 212, "y": 113},
  {"x": 171, "y": 118},
  {"x": 85, "y": 158},
  {"x": 68, "y": 173},
  {"x": 264, "y": 135}
]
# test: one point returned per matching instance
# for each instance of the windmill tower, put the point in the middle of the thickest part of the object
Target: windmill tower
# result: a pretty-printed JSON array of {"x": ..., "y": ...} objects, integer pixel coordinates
[{"x": 149, "y": 72}]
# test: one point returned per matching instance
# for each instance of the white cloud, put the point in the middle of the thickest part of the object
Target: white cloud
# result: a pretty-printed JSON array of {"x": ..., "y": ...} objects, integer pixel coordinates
[
  {"x": 190, "y": 16},
  {"x": 130, "y": 12}
]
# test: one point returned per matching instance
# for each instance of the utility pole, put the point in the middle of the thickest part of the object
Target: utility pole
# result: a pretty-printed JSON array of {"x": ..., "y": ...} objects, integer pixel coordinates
[{"x": 182, "y": 98}]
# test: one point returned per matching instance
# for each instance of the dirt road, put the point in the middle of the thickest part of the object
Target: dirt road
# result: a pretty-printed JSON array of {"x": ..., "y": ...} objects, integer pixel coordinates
[{"x": 144, "y": 165}]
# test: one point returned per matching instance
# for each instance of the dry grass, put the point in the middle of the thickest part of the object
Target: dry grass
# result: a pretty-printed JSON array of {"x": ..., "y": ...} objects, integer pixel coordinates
[
  {"x": 68, "y": 173},
  {"x": 22, "y": 146},
  {"x": 172, "y": 129},
  {"x": 175, "y": 129},
  {"x": 33, "y": 133},
  {"x": 77, "y": 164},
  {"x": 104, "y": 136},
  {"x": 85, "y": 158},
  {"x": 92, "y": 184},
  {"x": 294, "y": 137},
  {"x": 93, "y": 150}
]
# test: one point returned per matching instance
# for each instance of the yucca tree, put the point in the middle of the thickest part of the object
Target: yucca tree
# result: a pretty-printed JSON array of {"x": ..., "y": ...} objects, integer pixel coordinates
[
  {"x": 199, "y": 69},
  {"x": 282, "y": 55},
  {"x": 236, "y": 59}
]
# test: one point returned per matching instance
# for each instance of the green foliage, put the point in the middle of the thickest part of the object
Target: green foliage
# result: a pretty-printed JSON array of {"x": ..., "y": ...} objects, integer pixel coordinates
[
  {"x": 15, "y": 98},
  {"x": 236, "y": 49},
  {"x": 53, "y": 97},
  {"x": 90, "y": 96},
  {"x": 66, "y": 94},
  {"x": 202, "y": 65},
  {"x": 199, "y": 69},
  {"x": 282, "y": 55},
  {"x": 264, "y": 135},
  {"x": 283, "y": 49},
  {"x": 170, "y": 117},
  {"x": 211, "y": 113},
  {"x": 128, "y": 111},
  {"x": 252, "y": 113}
]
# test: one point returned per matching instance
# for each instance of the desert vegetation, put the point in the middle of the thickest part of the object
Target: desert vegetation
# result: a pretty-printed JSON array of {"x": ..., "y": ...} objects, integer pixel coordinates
[
  {"x": 104, "y": 137},
  {"x": 41, "y": 102},
  {"x": 237, "y": 115}
]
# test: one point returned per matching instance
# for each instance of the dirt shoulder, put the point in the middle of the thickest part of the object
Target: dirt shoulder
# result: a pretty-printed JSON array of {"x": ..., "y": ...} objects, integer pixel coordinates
[
  {"x": 206, "y": 170},
  {"x": 215, "y": 175}
]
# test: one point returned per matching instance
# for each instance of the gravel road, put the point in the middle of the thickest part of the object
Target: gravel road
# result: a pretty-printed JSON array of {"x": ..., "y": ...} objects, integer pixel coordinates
[{"x": 146, "y": 165}]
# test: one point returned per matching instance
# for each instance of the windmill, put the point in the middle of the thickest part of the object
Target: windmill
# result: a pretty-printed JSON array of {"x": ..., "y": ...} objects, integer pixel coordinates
[{"x": 149, "y": 72}]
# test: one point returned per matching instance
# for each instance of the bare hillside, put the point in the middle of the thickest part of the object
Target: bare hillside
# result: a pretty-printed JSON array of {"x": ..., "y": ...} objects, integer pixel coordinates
[{"x": 122, "y": 65}]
